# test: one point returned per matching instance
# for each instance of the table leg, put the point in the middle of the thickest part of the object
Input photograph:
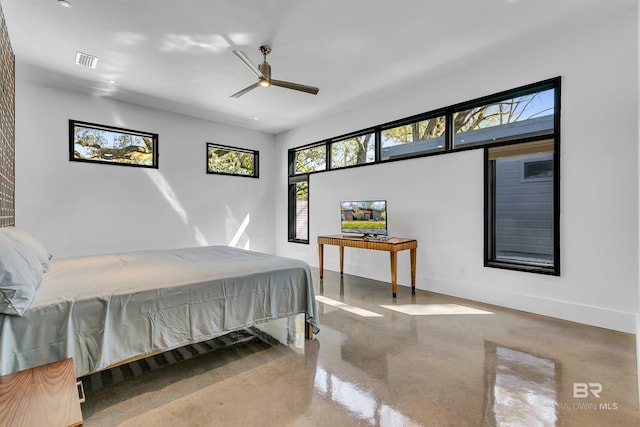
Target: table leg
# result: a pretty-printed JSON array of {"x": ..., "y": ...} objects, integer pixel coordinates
[
  {"x": 321, "y": 256},
  {"x": 341, "y": 260},
  {"x": 412, "y": 255},
  {"x": 394, "y": 273}
]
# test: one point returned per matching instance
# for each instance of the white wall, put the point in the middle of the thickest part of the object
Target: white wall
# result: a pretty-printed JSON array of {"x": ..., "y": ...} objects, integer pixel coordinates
[
  {"x": 78, "y": 208},
  {"x": 638, "y": 125},
  {"x": 439, "y": 199}
]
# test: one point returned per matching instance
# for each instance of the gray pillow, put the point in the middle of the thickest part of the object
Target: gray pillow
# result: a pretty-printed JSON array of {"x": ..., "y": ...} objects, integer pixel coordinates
[
  {"x": 30, "y": 243},
  {"x": 20, "y": 276}
]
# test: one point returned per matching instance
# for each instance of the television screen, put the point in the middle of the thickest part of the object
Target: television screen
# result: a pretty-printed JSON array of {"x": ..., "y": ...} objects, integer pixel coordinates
[{"x": 368, "y": 217}]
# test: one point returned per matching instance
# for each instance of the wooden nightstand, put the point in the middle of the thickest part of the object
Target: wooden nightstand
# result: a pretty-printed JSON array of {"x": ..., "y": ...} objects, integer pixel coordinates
[{"x": 44, "y": 395}]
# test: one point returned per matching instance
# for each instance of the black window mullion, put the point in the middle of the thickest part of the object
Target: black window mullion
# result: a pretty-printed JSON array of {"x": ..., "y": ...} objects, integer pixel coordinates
[
  {"x": 448, "y": 131},
  {"x": 378, "y": 143}
]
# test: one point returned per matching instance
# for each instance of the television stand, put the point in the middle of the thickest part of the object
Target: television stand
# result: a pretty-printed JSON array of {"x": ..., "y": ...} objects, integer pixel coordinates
[{"x": 391, "y": 244}]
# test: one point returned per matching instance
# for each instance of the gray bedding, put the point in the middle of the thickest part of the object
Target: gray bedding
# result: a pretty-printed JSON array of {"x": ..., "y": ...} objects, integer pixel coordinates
[{"x": 101, "y": 310}]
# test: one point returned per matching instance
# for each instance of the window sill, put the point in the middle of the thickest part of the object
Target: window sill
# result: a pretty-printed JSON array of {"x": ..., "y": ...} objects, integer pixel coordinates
[{"x": 551, "y": 270}]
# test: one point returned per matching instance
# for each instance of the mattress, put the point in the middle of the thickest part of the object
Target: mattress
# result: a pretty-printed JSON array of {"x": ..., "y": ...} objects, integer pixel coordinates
[{"x": 101, "y": 310}]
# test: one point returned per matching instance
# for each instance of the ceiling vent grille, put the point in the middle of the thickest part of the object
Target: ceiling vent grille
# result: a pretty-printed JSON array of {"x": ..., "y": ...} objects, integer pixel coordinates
[{"x": 86, "y": 60}]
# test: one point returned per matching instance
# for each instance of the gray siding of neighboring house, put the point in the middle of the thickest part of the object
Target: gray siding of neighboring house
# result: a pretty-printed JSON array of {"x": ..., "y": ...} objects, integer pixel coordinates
[{"x": 524, "y": 210}]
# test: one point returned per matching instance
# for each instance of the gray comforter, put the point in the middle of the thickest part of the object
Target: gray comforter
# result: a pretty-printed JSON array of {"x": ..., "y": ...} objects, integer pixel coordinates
[{"x": 104, "y": 309}]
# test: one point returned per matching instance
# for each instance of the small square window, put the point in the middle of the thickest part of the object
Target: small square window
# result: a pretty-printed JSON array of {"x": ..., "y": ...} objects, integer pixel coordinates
[{"x": 538, "y": 169}]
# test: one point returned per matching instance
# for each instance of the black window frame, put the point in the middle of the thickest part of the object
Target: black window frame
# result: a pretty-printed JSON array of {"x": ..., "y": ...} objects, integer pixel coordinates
[
  {"x": 254, "y": 153},
  {"x": 490, "y": 257},
  {"x": 532, "y": 178},
  {"x": 292, "y": 214},
  {"x": 343, "y": 138},
  {"x": 448, "y": 112},
  {"x": 73, "y": 124},
  {"x": 410, "y": 121}
]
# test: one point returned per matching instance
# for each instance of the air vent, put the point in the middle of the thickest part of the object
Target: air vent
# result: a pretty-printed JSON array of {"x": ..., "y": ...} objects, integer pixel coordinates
[{"x": 86, "y": 60}]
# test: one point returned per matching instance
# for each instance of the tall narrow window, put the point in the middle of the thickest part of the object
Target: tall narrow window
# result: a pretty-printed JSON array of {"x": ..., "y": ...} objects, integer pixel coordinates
[
  {"x": 521, "y": 207},
  {"x": 299, "y": 209}
]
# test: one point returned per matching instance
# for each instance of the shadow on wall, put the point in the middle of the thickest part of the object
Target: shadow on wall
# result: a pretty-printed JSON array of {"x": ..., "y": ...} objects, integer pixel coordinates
[
  {"x": 237, "y": 230},
  {"x": 170, "y": 196}
]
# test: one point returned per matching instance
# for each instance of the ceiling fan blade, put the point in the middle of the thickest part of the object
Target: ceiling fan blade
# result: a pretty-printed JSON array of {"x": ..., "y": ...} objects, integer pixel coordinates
[
  {"x": 244, "y": 58},
  {"x": 245, "y": 90},
  {"x": 295, "y": 86}
]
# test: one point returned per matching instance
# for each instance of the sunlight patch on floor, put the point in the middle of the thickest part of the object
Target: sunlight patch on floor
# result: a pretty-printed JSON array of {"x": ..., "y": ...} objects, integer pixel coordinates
[
  {"x": 346, "y": 307},
  {"x": 433, "y": 309}
]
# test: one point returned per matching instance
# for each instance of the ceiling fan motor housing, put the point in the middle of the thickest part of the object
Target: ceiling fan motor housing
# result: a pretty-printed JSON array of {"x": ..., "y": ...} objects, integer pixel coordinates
[{"x": 265, "y": 69}]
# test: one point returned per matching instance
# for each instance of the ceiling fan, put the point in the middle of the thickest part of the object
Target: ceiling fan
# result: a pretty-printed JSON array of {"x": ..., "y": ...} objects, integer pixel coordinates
[{"x": 263, "y": 71}]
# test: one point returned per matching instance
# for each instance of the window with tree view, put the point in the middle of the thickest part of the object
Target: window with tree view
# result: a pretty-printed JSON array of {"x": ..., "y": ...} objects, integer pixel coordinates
[
  {"x": 413, "y": 138},
  {"x": 356, "y": 150},
  {"x": 225, "y": 160},
  {"x": 310, "y": 159},
  {"x": 518, "y": 117},
  {"x": 89, "y": 142}
]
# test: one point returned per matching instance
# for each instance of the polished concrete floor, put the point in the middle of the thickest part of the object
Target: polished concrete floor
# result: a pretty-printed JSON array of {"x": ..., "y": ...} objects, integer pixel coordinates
[{"x": 421, "y": 360}]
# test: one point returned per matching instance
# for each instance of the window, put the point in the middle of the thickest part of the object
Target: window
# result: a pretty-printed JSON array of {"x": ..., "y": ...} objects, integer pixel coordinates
[
  {"x": 356, "y": 150},
  {"x": 89, "y": 142},
  {"x": 413, "y": 138},
  {"x": 537, "y": 169},
  {"x": 231, "y": 161},
  {"x": 310, "y": 159},
  {"x": 521, "y": 207},
  {"x": 512, "y": 118},
  {"x": 519, "y": 132},
  {"x": 299, "y": 209}
]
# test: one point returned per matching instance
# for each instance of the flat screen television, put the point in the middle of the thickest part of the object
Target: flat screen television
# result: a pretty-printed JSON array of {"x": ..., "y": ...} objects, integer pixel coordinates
[{"x": 366, "y": 217}]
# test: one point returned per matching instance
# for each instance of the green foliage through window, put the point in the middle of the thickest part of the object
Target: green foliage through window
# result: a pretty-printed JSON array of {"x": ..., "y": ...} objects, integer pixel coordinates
[
  {"x": 413, "y": 138},
  {"x": 310, "y": 159},
  {"x": 352, "y": 151},
  {"x": 231, "y": 161},
  {"x": 103, "y": 144}
]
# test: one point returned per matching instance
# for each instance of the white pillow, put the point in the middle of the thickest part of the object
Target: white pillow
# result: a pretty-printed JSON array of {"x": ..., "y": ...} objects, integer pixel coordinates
[
  {"x": 20, "y": 276},
  {"x": 31, "y": 243}
]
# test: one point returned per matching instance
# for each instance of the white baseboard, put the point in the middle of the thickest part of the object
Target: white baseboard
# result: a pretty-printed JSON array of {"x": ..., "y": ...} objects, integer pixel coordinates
[{"x": 565, "y": 310}]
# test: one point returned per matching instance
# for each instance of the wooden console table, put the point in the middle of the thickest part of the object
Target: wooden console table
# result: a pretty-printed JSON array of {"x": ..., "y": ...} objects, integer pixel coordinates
[{"x": 392, "y": 245}]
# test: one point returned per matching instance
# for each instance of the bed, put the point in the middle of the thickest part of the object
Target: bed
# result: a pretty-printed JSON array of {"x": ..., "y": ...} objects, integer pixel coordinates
[{"x": 106, "y": 309}]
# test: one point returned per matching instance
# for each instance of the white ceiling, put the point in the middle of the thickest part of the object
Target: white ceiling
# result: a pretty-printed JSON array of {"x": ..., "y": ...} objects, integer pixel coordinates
[{"x": 177, "y": 55}]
